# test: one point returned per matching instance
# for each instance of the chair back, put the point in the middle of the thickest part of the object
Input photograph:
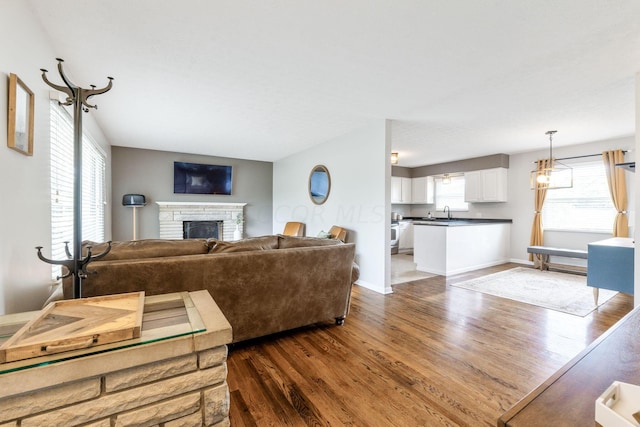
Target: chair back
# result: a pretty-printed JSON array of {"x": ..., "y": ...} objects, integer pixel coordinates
[
  {"x": 294, "y": 229},
  {"x": 338, "y": 233}
]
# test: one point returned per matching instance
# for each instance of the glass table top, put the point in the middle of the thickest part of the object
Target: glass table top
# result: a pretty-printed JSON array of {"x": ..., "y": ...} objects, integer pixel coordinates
[{"x": 164, "y": 317}]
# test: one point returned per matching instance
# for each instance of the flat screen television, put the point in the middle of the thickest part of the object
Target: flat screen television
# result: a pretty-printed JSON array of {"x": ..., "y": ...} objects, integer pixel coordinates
[{"x": 194, "y": 178}]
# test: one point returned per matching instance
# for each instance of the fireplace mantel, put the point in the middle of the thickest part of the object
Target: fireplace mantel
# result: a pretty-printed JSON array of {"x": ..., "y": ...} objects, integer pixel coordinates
[
  {"x": 214, "y": 204},
  {"x": 172, "y": 214}
]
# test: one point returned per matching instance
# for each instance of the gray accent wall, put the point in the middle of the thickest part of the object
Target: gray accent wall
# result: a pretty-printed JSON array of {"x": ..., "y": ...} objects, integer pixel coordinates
[
  {"x": 150, "y": 172},
  {"x": 466, "y": 165},
  {"x": 401, "y": 171}
]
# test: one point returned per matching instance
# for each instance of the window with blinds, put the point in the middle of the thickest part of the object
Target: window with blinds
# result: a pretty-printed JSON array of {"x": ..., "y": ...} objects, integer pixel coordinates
[
  {"x": 62, "y": 180},
  {"x": 587, "y": 206},
  {"x": 451, "y": 194}
]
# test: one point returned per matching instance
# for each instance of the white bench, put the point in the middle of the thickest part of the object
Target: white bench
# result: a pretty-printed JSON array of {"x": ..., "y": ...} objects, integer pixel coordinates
[{"x": 546, "y": 252}]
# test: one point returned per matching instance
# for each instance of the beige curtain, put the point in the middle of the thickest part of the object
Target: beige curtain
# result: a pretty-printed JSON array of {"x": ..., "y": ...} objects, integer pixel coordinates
[
  {"x": 537, "y": 233},
  {"x": 618, "y": 190}
]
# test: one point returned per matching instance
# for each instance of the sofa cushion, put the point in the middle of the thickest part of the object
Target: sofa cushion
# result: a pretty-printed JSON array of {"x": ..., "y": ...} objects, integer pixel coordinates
[
  {"x": 149, "y": 248},
  {"x": 286, "y": 242},
  {"x": 249, "y": 244}
]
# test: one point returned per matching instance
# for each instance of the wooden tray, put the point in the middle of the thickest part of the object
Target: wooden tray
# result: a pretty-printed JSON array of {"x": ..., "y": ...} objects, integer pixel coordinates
[{"x": 75, "y": 324}]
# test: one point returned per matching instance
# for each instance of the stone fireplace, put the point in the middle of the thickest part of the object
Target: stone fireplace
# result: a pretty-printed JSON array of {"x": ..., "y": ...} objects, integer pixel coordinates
[{"x": 172, "y": 215}]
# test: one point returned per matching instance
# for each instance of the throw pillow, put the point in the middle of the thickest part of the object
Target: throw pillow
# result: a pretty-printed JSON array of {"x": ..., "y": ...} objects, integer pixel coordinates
[
  {"x": 148, "y": 248},
  {"x": 286, "y": 242},
  {"x": 249, "y": 244}
]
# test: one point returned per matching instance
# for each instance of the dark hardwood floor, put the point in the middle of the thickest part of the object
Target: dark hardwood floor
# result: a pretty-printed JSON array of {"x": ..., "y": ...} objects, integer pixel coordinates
[{"x": 427, "y": 355}]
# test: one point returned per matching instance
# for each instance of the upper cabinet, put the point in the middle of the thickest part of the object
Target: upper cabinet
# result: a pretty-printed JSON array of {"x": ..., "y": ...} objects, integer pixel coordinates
[
  {"x": 488, "y": 185},
  {"x": 400, "y": 190},
  {"x": 422, "y": 190}
]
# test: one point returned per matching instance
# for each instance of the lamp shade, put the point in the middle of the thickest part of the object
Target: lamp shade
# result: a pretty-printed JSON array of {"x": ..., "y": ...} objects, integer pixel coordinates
[{"x": 133, "y": 200}]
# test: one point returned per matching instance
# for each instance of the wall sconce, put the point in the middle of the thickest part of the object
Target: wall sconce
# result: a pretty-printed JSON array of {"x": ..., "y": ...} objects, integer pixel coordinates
[
  {"x": 134, "y": 201},
  {"x": 394, "y": 158}
]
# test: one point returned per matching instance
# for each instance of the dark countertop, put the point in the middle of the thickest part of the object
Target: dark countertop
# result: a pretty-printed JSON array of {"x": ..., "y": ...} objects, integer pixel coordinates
[{"x": 454, "y": 222}]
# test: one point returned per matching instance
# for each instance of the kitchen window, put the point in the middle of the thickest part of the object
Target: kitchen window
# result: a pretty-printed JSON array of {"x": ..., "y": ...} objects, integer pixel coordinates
[
  {"x": 587, "y": 206},
  {"x": 62, "y": 180},
  {"x": 451, "y": 194}
]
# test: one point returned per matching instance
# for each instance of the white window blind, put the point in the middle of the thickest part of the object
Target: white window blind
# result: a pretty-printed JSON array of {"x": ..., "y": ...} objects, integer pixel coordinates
[
  {"x": 587, "y": 206},
  {"x": 451, "y": 194},
  {"x": 62, "y": 180},
  {"x": 93, "y": 190}
]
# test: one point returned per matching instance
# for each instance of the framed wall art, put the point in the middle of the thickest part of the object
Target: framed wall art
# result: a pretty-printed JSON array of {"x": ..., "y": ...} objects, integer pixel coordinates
[{"x": 20, "y": 123}]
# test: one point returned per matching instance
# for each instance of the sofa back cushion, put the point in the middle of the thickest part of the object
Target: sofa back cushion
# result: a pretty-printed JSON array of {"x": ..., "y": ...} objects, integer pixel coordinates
[
  {"x": 286, "y": 242},
  {"x": 249, "y": 244},
  {"x": 149, "y": 248}
]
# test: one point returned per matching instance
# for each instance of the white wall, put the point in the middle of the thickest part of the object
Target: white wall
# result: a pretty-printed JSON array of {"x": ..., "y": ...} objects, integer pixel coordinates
[
  {"x": 360, "y": 194},
  {"x": 25, "y": 213},
  {"x": 24, "y": 216}
]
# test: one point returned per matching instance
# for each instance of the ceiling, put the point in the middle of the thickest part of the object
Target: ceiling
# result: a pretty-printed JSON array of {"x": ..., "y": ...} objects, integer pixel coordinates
[{"x": 264, "y": 79}]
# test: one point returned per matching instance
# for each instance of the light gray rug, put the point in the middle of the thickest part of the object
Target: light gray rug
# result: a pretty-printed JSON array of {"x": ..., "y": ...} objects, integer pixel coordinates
[{"x": 568, "y": 293}]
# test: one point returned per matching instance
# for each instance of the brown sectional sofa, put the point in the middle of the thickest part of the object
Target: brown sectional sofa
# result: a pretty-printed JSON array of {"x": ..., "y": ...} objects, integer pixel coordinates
[{"x": 263, "y": 285}]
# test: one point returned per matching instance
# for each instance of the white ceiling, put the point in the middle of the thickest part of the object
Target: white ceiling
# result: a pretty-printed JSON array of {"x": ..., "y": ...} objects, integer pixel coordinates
[{"x": 264, "y": 79}]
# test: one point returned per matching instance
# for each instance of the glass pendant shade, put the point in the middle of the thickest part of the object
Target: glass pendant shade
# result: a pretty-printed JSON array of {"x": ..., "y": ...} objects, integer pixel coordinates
[
  {"x": 394, "y": 158},
  {"x": 557, "y": 175}
]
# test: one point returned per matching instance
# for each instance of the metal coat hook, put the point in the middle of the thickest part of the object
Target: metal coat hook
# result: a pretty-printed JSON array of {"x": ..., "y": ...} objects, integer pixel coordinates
[{"x": 76, "y": 264}]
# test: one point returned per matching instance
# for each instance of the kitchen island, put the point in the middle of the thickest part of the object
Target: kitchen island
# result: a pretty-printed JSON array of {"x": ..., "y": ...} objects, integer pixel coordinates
[{"x": 452, "y": 246}]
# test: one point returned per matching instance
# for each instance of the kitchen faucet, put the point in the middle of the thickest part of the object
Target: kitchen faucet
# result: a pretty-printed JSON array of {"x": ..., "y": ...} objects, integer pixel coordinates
[{"x": 447, "y": 210}]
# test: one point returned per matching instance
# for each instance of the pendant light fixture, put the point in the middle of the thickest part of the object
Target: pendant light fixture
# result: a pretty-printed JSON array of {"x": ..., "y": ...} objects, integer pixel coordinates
[{"x": 554, "y": 175}]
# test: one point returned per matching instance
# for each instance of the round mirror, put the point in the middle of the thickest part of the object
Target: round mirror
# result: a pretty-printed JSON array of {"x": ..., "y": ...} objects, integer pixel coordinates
[{"x": 319, "y": 184}]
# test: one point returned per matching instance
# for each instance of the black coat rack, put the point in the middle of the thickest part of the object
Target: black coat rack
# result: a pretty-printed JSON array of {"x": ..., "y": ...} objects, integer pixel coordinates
[{"x": 75, "y": 263}]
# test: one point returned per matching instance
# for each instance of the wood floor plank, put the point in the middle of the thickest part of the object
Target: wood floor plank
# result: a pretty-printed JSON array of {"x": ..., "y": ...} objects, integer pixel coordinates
[{"x": 429, "y": 354}]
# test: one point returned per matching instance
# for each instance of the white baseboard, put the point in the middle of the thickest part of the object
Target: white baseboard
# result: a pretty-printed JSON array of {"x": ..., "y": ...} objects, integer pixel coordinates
[
  {"x": 521, "y": 261},
  {"x": 387, "y": 290},
  {"x": 475, "y": 267}
]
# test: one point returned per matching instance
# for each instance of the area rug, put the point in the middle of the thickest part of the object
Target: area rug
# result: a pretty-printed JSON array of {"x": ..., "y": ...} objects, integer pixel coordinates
[{"x": 563, "y": 292}]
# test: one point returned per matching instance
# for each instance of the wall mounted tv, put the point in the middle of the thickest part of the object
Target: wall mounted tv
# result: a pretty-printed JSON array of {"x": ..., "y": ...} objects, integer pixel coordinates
[{"x": 194, "y": 178}]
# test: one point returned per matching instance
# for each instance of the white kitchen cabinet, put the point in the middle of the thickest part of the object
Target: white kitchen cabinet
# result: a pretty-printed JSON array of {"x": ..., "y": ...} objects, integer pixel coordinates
[
  {"x": 400, "y": 190},
  {"x": 447, "y": 250},
  {"x": 494, "y": 185},
  {"x": 488, "y": 185},
  {"x": 473, "y": 186},
  {"x": 422, "y": 190},
  {"x": 396, "y": 189}
]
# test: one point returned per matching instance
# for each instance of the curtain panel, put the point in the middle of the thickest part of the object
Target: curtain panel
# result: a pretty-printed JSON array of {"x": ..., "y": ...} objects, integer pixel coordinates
[
  {"x": 537, "y": 232},
  {"x": 618, "y": 190}
]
